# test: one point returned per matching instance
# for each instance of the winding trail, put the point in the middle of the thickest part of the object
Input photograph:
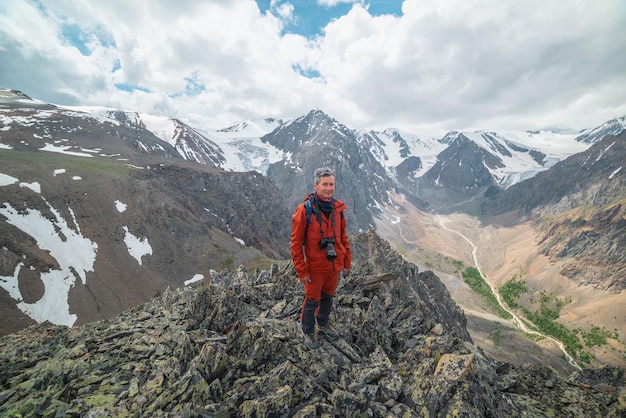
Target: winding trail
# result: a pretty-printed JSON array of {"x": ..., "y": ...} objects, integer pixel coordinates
[{"x": 516, "y": 319}]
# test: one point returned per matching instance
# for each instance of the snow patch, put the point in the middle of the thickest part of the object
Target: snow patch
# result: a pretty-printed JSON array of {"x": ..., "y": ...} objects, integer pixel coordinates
[
  {"x": 121, "y": 207},
  {"x": 34, "y": 186},
  {"x": 137, "y": 247},
  {"x": 74, "y": 253},
  {"x": 64, "y": 150},
  {"x": 195, "y": 278},
  {"x": 614, "y": 173},
  {"x": 6, "y": 180}
]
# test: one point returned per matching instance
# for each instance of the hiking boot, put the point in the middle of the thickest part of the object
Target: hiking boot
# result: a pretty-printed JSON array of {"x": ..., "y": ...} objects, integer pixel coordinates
[
  {"x": 310, "y": 340},
  {"x": 328, "y": 331}
]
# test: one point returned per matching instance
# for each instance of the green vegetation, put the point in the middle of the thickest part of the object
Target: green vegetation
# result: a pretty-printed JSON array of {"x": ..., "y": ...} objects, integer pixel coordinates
[
  {"x": 495, "y": 334},
  {"x": 511, "y": 291},
  {"x": 51, "y": 160},
  {"x": 474, "y": 279},
  {"x": 542, "y": 317},
  {"x": 458, "y": 265},
  {"x": 596, "y": 336},
  {"x": 545, "y": 322}
]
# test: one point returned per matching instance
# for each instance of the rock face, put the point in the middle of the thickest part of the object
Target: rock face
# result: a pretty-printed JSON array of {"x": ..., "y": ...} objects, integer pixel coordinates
[
  {"x": 82, "y": 186},
  {"x": 189, "y": 214},
  {"x": 578, "y": 210},
  {"x": 316, "y": 140},
  {"x": 232, "y": 346}
]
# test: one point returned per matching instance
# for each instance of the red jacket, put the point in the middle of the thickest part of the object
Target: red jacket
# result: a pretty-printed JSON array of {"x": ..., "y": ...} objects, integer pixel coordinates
[{"x": 307, "y": 255}]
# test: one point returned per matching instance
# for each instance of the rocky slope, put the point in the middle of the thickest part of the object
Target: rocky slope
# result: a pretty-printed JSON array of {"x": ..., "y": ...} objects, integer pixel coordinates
[
  {"x": 232, "y": 347},
  {"x": 577, "y": 208},
  {"x": 589, "y": 237},
  {"x": 188, "y": 214}
]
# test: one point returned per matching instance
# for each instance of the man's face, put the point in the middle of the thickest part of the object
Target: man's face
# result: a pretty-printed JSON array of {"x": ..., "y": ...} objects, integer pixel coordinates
[{"x": 326, "y": 187}]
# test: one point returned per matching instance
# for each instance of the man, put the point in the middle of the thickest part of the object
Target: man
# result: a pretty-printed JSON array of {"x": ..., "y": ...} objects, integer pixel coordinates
[{"x": 320, "y": 251}]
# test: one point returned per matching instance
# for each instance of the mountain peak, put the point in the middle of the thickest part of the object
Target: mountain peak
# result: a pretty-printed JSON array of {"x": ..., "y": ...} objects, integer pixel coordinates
[
  {"x": 611, "y": 127},
  {"x": 9, "y": 94}
]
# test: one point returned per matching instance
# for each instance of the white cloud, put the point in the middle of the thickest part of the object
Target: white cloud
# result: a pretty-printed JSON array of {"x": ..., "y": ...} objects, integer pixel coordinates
[
  {"x": 333, "y": 3},
  {"x": 442, "y": 65}
]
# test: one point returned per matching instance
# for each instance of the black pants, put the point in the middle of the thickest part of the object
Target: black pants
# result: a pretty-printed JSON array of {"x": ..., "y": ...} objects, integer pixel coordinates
[{"x": 311, "y": 307}]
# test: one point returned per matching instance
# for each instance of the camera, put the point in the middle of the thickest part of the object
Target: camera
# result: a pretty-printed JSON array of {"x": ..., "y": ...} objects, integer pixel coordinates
[{"x": 329, "y": 244}]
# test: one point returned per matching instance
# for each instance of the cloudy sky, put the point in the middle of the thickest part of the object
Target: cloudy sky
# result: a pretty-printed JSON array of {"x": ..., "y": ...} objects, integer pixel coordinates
[{"x": 423, "y": 66}]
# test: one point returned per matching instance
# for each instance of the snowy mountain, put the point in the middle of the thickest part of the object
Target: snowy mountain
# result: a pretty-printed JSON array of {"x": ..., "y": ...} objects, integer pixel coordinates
[
  {"x": 579, "y": 212},
  {"x": 397, "y": 146},
  {"x": 91, "y": 196},
  {"x": 97, "y": 214},
  {"x": 467, "y": 162},
  {"x": 612, "y": 127},
  {"x": 429, "y": 171},
  {"x": 508, "y": 157},
  {"x": 474, "y": 161}
]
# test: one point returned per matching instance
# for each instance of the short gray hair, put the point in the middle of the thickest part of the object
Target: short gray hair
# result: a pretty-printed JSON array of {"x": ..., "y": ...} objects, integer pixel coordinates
[{"x": 323, "y": 172}]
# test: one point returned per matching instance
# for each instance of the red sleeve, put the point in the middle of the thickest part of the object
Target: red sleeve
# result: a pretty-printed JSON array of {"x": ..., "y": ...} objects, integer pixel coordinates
[
  {"x": 298, "y": 226},
  {"x": 347, "y": 261}
]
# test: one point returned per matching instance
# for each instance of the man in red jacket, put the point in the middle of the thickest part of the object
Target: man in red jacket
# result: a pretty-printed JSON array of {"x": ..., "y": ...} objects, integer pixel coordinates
[{"x": 320, "y": 251}]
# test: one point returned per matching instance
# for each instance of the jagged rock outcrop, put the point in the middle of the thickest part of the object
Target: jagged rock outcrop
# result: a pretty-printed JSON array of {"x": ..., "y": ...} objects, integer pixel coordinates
[{"x": 232, "y": 346}]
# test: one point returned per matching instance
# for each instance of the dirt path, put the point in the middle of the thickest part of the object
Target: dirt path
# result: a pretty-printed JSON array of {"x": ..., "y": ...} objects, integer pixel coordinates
[{"x": 518, "y": 322}]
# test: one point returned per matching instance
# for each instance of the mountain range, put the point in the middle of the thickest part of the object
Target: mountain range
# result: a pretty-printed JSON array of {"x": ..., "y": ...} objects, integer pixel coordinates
[{"x": 101, "y": 209}]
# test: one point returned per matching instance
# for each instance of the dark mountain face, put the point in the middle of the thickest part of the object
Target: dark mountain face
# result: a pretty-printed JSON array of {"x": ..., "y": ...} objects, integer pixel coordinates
[
  {"x": 463, "y": 166},
  {"x": 316, "y": 140},
  {"x": 194, "y": 146},
  {"x": 101, "y": 190},
  {"x": 612, "y": 127},
  {"x": 406, "y": 172},
  {"x": 461, "y": 172}
]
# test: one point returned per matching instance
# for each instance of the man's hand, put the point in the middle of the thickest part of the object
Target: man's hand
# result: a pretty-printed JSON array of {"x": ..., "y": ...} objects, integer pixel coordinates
[{"x": 305, "y": 280}]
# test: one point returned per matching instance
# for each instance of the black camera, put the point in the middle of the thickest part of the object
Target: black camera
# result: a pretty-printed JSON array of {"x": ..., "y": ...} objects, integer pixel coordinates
[{"x": 329, "y": 244}]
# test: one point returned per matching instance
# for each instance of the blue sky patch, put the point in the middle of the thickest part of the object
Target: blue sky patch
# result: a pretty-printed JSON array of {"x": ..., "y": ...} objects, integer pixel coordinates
[
  {"x": 76, "y": 38},
  {"x": 310, "y": 17},
  {"x": 306, "y": 72},
  {"x": 130, "y": 88}
]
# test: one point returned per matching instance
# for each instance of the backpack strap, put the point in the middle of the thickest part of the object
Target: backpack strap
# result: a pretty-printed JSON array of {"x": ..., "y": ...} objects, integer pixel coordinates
[{"x": 310, "y": 208}]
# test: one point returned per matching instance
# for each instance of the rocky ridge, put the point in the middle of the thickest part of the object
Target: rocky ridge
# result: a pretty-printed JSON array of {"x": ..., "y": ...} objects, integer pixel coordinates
[{"x": 232, "y": 346}]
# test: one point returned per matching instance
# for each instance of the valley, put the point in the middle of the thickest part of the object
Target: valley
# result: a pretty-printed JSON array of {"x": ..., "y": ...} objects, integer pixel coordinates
[
  {"x": 504, "y": 251},
  {"x": 182, "y": 189}
]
